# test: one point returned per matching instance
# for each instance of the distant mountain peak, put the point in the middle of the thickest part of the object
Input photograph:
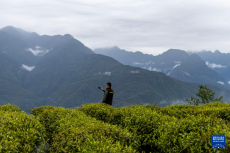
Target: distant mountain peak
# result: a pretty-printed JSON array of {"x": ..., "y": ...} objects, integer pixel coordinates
[
  {"x": 68, "y": 36},
  {"x": 115, "y": 47},
  {"x": 17, "y": 32},
  {"x": 12, "y": 29},
  {"x": 205, "y": 51},
  {"x": 217, "y": 52},
  {"x": 138, "y": 52},
  {"x": 8, "y": 27},
  {"x": 175, "y": 52}
]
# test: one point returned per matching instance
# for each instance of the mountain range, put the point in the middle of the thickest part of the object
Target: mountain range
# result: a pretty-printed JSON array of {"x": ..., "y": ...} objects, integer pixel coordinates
[
  {"x": 175, "y": 63},
  {"x": 61, "y": 71},
  {"x": 217, "y": 61}
]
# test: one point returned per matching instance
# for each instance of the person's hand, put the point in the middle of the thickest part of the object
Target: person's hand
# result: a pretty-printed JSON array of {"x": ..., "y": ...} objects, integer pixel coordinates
[{"x": 101, "y": 88}]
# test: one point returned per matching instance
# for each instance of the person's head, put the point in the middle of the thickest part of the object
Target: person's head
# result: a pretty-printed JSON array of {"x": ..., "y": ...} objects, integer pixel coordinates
[{"x": 108, "y": 85}]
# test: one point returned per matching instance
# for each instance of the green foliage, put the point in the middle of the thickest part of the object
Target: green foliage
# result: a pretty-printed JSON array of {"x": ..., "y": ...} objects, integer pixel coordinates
[
  {"x": 177, "y": 128},
  {"x": 102, "y": 128},
  {"x": 191, "y": 134},
  {"x": 139, "y": 120},
  {"x": 19, "y": 132},
  {"x": 203, "y": 121},
  {"x": 73, "y": 131},
  {"x": 10, "y": 108},
  {"x": 206, "y": 96},
  {"x": 216, "y": 109}
]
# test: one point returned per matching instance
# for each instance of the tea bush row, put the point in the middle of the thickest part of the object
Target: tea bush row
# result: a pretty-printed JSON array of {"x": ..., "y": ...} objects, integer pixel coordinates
[
  {"x": 142, "y": 122},
  {"x": 73, "y": 131},
  {"x": 19, "y": 132},
  {"x": 10, "y": 108},
  {"x": 158, "y": 132},
  {"x": 217, "y": 109}
]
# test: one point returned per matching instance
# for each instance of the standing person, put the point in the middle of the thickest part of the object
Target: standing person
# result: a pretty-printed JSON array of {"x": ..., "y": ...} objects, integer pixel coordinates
[{"x": 108, "y": 94}]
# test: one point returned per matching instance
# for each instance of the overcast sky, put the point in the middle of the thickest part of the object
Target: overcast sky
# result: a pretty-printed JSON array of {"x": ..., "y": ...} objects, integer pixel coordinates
[{"x": 149, "y": 26}]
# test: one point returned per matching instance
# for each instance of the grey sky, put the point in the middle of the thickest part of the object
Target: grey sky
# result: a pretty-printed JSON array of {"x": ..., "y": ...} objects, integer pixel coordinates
[{"x": 150, "y": 26}]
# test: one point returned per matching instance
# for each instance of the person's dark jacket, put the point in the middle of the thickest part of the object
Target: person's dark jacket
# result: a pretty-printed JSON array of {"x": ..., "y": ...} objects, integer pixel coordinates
[{"x": 108, "y": 96}]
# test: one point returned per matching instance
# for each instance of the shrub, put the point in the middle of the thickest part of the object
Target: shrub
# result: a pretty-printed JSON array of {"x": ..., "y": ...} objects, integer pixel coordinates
[
  {"x": 191, "y": 134},
  {"x": 216, "y": 109},
  {"x": 139, "y": 120},
  {"x": 11, "y": 108},
  {"x": 153, "y": 107},
  {"x": 73, "y": 131},
  {"x": 215, "y": 105},
  {"x": 19, "y": 132},
  {"x": 178, "y": 111},
  {"x": 177, "y": 128},
  {"x": 100, "y": 111}
]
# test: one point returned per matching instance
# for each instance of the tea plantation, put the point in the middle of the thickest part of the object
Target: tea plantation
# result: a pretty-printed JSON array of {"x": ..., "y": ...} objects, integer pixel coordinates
[{"x": 101, "y": 128}]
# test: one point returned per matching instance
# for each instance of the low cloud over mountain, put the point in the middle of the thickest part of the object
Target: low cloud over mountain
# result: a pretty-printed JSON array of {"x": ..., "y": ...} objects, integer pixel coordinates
[
  {"x": 38, "y": 51},
  {"x": 28, "y": 68}
]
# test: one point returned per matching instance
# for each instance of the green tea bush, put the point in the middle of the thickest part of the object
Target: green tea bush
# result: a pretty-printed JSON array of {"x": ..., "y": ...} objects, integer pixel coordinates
[
  {"x": 196, "y": 125},
  {"x": 220, "y": 112},
  {"x": 139, "y": 120},
  {"x": 216, "y": 109},
  {"x": 153, "y": 107},
  {"x": 10, "y": 107},
  {"x": 102, "y": 128},
  {"x": 177, "y": 128},
  {"x": 191, "y": 134},
  {"x": 73, "y": 131},
  {"x": 214, "y": 104},
  {"x": 100, "y": 111},
  {"x": 19, "y": 132},
  {"x": 178, "y": 111}
]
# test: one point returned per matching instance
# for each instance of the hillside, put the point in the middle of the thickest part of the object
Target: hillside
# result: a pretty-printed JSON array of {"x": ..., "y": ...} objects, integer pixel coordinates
[
  {"x": 102, "y": 128},
  {"x": 64, "y": 72},
  {"x": 12, "y": 91},
  {"x": 217, "y": 61},
  {"x": 174, "y": 63},
  {"x": 194, "y": 69}
]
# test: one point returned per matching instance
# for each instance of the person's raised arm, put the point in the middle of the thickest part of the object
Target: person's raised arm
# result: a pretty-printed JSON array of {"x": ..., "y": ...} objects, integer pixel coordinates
[{"x": 102, "y": 89}]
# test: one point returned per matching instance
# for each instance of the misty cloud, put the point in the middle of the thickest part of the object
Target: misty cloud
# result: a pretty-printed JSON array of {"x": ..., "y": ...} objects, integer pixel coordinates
[
  {"x": 153, "y": 69},
  {"x": 187, "y": 74},
  {"x": 172, "y": 102},
  {"x": 136, "y": 63},
  {"x": 28, "y": 68},
  {"x": 146, "y": 63},
  {"x": 136, "y": 71},
  {"x": 173, "y": 69},
  {"x": 175, "y": 66},
  {"x": 220, "y": 82},
  {"x": 105, "y": 73},
  {"x": 213, "y": 65},
  {"x": 149, "y": 26},
  {"x": 38, "y": 51}
]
